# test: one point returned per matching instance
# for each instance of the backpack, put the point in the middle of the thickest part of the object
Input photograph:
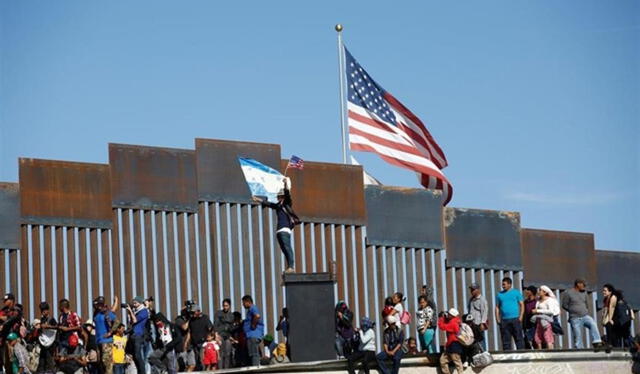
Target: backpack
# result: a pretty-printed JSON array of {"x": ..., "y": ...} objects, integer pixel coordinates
[
  {"x": 405, "y": 318},
  {"x": 481, "y": 360},
  {"x": 465, "y": 335},
  {"x": 34, "y": 358},
  {"x": 622, "y": 313}
]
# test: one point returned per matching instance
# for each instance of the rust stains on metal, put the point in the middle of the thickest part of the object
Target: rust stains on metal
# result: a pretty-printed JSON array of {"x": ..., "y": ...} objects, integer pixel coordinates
[
  {"x": 220, "y": 177},
  {"x": 65, "y": 193},
  {"x": 9, "y": 216},
  {"x": 557, "y": 258},
  {"x": 480, "y": 238},
  {"x": 621, "y": 270},
  {"x": 329, "y": 193},
  {"x": 153, "y": 178},
  {"x": 404, "y": 217}
]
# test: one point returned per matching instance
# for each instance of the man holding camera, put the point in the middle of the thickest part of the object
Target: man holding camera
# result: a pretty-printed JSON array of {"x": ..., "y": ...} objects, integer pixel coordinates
[{"x": 139, "y": 320}]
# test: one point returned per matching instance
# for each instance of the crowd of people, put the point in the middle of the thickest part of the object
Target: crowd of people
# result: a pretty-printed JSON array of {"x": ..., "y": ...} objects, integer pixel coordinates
[
  {"x": 144, "y": 341},
  {"x": 529, "y": 321},
  {"x": 133, "y": 337}
]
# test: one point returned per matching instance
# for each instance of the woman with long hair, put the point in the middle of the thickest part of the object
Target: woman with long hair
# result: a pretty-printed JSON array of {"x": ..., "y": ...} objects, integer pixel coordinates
[{"x": 616, "y": 317}]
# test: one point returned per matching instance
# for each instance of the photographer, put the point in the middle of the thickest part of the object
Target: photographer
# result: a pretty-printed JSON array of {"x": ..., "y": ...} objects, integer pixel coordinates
[{"x": 139, "y": 319}]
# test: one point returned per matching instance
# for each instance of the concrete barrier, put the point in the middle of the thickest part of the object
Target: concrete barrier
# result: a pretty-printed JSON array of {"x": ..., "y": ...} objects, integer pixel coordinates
[{"x": 527, "y": 362}]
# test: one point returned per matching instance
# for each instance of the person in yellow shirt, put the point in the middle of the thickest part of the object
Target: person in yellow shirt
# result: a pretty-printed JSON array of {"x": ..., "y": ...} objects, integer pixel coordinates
[{"x": 119, "y": 343}]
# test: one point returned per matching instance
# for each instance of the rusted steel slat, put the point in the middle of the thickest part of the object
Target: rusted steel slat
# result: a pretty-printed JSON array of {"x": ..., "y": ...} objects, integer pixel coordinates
[
  {"x": 82, "y": 264},
  {"x": 175, "y": 303},
  {"x": 483, "y": 238},
  {"x": 351, "y": 271},
  {"x": 13, "y": 265},
  {"x": 207, "y": 258},
  {"x": 234, "y": 258},
  {"x": 36, "y": 261},
  {"x": 219, "y": 175},
  {"x": 107, "y": 258},
  {"x": 65, "y": 193},
  {"x": 162, "y": 260},
  {"x": 216, "y": 263},
  {"x": 308, "y": 248},
  {"x": 557, "y": 258},
  {"x": 149, "y": 255},
  {"x": 95, "y": 264},
  {"x": 153, "y": 178},
  {"x": 48, "y": 261},
  {"x": 360, "y": 276},
  {"x": 129, "y": 266},
  {"x": 115, "y": 257},
  {"x": 328, "y": 193},
  {"x": 269, "y": 247},
  {"x": 296, "y": 242},
  {"x": 140, "y": 256},
  {"x": 621, "y": 270},
  {"x": 406, "y": 217},
  {"x": 193, "y": 260},
  {"x": 224, "y": 251},
  {"x": 340, "y": 264},
  {"x": 182, "y": 255},
  {"x": 9, "y": 216},
  {"x": 71, "y": 266},
  {"x": 257, "y": 269}
]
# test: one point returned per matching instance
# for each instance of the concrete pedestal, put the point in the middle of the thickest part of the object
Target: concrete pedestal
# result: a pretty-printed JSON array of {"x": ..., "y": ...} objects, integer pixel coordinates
[{"x": 310, "y": 298}]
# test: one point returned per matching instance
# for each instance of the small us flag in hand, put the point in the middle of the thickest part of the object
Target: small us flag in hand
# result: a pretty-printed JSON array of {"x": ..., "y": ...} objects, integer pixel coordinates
[{"x": 296, "y": 163}]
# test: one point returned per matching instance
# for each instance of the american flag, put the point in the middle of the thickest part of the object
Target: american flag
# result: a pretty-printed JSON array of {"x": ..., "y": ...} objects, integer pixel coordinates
[
  {"x": 296, "y": 163},
  {"x": 379, "y": 123}
]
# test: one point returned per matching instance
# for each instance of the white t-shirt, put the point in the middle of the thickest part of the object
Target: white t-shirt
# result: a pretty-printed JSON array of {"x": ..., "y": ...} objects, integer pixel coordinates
[{"x": 398, "y": 315}]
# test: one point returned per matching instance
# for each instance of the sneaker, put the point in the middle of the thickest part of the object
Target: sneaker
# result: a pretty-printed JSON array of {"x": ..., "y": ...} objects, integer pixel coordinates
[
  {"x": 597, "y": 346},
  {"x": 289, "y": 271}
]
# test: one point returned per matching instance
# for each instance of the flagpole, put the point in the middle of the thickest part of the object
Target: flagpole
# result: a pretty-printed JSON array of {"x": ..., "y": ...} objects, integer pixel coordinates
[{"x": 342, "y": 77}]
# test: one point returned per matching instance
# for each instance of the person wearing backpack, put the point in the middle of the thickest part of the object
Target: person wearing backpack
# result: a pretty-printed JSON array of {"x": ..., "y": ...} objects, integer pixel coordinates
[
  {"x": 617, "y": 317},
  {"x": 449, "y": 322}
]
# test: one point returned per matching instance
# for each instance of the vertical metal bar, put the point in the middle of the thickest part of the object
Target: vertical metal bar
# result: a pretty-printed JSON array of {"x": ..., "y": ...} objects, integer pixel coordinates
[
  {"x": 303, "y": 249},
  {"x": 313, "y": 248},
  {"x": 405, "y": 290},
  {"x": 111, "y": 277},
  {"x": 176, "y": 253},
  {"x": 454, "y": 292},
  {"x": 154, "y": 251},
  {"x": 345, "y": 277},
  {"x": 132, "y": 251},
  {"x": 230, "y": 252},
  {"x": 121, "y": 252},
  {"x": 196, "y": 229},
  {"x": 43, "y": 283},
  {"x": 187, "y": 258},
  {"x": 365, "y": 271},
  {"x": 65, "y": 254},
  {"x": 356, "y": 291},
  {"x": 385, "y": 271},
  {"x": 19, "y": 278},
  {"x": 262, "y": 247},
  {"x": 375, "y": 290},
  {"x": 76, "y": 237},
  {"x": 207, "y": 243},
  {"x": 560, "y": 342},
  {"x": 323, "y": 242},
  {"x": 493, "y": 296},
  {"x": 274, "y": 308},
  {"x": 483, "y": 286},
  {"x": 7, "y": 269},
  {"x": 464, "y": 289},
  {"x": 333, "y": 259},
  {"x": 143, "y": 254},
  {"x": 251, "y": 251},
  {"x": 219, "y": 252},
  {"x": 87, "y": 250},
  {"x": 165, "y": 251},
  {"x": 240, "y": 244},
  {"x": 100, "y": 266},
  {"x": 30, "y": 267}
]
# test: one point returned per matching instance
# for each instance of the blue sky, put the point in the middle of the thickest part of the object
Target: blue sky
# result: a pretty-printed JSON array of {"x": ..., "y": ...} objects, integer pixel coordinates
[{"x": 535, "y": 103}]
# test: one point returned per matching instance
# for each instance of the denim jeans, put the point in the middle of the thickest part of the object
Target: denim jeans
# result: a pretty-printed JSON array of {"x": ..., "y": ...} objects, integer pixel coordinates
[
  {"x": 511, "y": 328},
  {"x": 139, "y": 358},
  {"x": 426, "y": 341},
  {"x": 284, "y": 239},
  {"x": 577, "y": 323},
  {"x": 382, "y": 357}
]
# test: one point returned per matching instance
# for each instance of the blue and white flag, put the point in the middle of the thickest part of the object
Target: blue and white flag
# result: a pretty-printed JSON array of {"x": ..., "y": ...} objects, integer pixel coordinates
[{"x": 262, "y": 180}]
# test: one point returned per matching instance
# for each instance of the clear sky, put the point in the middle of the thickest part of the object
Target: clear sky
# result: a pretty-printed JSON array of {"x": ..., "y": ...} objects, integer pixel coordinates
[{"x": 535, "y": 103}]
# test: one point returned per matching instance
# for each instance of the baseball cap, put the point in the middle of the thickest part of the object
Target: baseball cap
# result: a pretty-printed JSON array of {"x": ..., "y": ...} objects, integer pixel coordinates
[
  {"x": 454, "y": 312},
  {"x": 12, "y": 336},
  {"x": 474, "y": 286},
  {"x": 9, "y": 296},
  {"x": 139, "y": 299}
]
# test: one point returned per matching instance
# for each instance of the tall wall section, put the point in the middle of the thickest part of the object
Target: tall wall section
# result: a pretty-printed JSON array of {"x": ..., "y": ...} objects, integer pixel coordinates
[{"x": 179, "y": 224}]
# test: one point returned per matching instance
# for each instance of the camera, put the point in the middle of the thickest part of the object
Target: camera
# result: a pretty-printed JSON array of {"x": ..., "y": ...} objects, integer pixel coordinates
[{"x": 124, "y": 305}]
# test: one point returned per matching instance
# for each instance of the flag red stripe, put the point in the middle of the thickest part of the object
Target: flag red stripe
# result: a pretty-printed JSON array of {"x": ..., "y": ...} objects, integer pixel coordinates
[{"x": 386, "y": 142}]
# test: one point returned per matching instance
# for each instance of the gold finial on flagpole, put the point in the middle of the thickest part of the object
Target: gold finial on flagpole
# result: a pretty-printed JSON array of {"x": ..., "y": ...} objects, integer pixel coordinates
[{"x": 338, "y": 27}]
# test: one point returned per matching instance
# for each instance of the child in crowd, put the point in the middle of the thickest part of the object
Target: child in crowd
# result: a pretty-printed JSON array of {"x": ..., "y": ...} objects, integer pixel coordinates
[
  {"x": 398, "y": 308},
  {"x": 210, "y": 350},
  {"x": 119, "y": 344}
]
